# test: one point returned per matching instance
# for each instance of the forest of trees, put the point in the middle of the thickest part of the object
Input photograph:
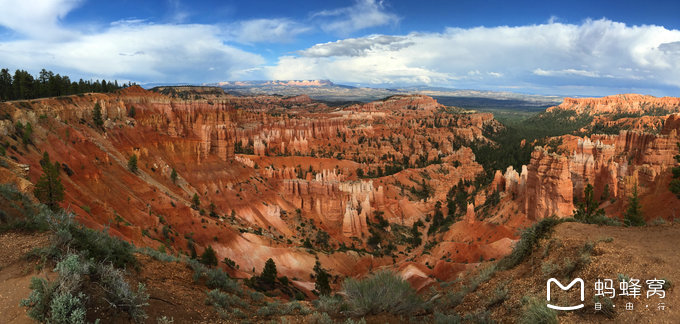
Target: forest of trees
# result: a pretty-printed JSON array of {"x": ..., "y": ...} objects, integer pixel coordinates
[{"x": 22, "y": 85}]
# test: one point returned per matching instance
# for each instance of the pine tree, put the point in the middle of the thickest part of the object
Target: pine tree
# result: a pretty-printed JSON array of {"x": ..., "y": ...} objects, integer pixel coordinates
[
  {"x": 633, "y": 215},
  {"x": 209, "y": 257},
  {"x": 49, "y": 189},
  {"x": 132, "y": 113},
  {"x": 322, "y": 284},
  {"x": 605, "y": 193},
  {"x": 674, "y": 186},
  {"x": 195, "y": 202},
  {"x": 268, "y": 275},
  {"x": 97, "y": 116},
  {"x": 587, "y": 211},
  {"x": 132, "y": 163},
  {"x": 173, "y": 176}
]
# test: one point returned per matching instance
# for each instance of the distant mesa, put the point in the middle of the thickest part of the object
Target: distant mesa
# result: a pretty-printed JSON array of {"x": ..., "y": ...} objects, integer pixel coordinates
[{"x": 297, "y": 83}]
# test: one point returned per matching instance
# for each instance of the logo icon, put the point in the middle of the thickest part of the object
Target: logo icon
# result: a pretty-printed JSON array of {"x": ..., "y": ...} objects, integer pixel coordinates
[{"x": 571, "y": 284}]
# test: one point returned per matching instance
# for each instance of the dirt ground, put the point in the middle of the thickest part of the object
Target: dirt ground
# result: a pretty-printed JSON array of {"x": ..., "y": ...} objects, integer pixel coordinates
[
  {"x": 640, "y": 253},
  {"x": 16, "y": 272}
]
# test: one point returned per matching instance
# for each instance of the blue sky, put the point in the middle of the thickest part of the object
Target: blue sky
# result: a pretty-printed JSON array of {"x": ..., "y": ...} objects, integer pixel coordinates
[{"x": 549, "y": 47}]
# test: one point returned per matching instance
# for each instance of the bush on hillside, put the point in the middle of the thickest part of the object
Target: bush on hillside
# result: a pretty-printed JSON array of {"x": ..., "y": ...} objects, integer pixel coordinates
[{"x": 382, "y": 292}]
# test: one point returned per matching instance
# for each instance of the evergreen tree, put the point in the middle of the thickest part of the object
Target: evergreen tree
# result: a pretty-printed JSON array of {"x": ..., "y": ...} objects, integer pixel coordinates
[
  {"x": 437, "y": 218},
  {"x": 132, "y": 163},
  {"x": 192, "y": 247},
  {"x": 307, "y": 244},
  {"x": 587, "y": 211},
  {"x": 173, "y": 176},
  {"x": 195, "y": 202},
  {"x": 132, "y": 113},
  {"x": 605, "y": 193},
  {"x": 268, "y": 275},
  {"x": 415, "y": 235},
  {"x": 49, "y": 189},
  {"x": 27, "y": 134},
  {"x": 209, "y": 257},
  {"x": 322, "y": 284},
  {"x": 633, "y": 215},
  {"x": 674, "y": 186},
  {"x": 97, "y": 116}
]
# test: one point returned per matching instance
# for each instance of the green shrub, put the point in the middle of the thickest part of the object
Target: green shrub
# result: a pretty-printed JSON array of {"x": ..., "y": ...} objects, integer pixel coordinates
[
  {"x": 449, "y": 300},
  {"x": 333, "y": 305},
  {"x": 441, "y": 318},
  {"x": 67, "y": 309},
  {"x": 256, "y": 296},
  {"x": 224, "y": 300},
  {"x": 528, "y": 240},
  {"x": 216, "y": 278},
  {"x": 483, "y": 276},
  {"x": 101, "y": 246},
  {"x": 62, "y": 301},
  {"x": 667, "y": 284},
  {"x": 38, "y": 302},
  {"x": 160, "y": 256},
  {"x": 34, "y": 218},
  {"x": 479, "y": 317},
  {"x": 383, "y": 292},
  {"x": 294, "y": 307},
  {"x": 165, "y": 320},
  {"x": 608, "y": 309},
  {"x": 537, "y": 312},
  {"x": 351, "y": 321},
  {"x": 319, "y": 318},
  {"x": 270, "y": 309},
  {"x": 499, "y": 296},
  {"x": 119, "y": 293}
]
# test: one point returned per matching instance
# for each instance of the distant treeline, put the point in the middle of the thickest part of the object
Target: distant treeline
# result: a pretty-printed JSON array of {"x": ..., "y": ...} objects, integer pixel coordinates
[{"x": 22, "y": 85}]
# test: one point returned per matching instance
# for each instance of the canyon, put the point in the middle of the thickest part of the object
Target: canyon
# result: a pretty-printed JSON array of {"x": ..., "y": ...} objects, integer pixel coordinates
[{"x": 297, "y": 180}]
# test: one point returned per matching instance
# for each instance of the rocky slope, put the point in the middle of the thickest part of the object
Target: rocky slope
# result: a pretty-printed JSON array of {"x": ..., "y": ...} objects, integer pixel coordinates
[{"x": 276, "y": 177}]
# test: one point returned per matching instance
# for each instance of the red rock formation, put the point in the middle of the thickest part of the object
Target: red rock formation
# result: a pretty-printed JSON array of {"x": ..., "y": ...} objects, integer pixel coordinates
[
  {"x": 624, "y": 103},
  {"x": 549, "y": 189},
  {"x": 270, "y": 172},
  {"x": 618, "y": 162}
]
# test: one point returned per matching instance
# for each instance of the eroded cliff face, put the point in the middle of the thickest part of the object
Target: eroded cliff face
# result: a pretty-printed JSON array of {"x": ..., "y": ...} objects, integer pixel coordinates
[
  {"x": 623, "y": 104},
  {"x": 551, "y": 181}
]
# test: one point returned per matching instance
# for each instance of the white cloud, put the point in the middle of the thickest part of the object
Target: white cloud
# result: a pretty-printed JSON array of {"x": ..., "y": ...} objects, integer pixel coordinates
[
  {"x": 275, "y": 30},
  {"x": 363, "y": 14},
  {"x": 36, "y": 18},
  {"x": 566, "y": 72},
  {"x": 593, "y": 53},
  {"x": 356, "y": 46},
  {"x": 139, "y": 51}
]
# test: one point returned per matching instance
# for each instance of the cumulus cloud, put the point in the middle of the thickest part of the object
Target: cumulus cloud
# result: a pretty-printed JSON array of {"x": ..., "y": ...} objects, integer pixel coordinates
[
  {"x": 590, "y": 53},
  {"x": 363, "y": 14},
  {"x": 357, "y": 46},
  {"x": 265, "y": 30},
  {"x": 36, "y": 18},
  {"x": 138, "y": 51}
]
